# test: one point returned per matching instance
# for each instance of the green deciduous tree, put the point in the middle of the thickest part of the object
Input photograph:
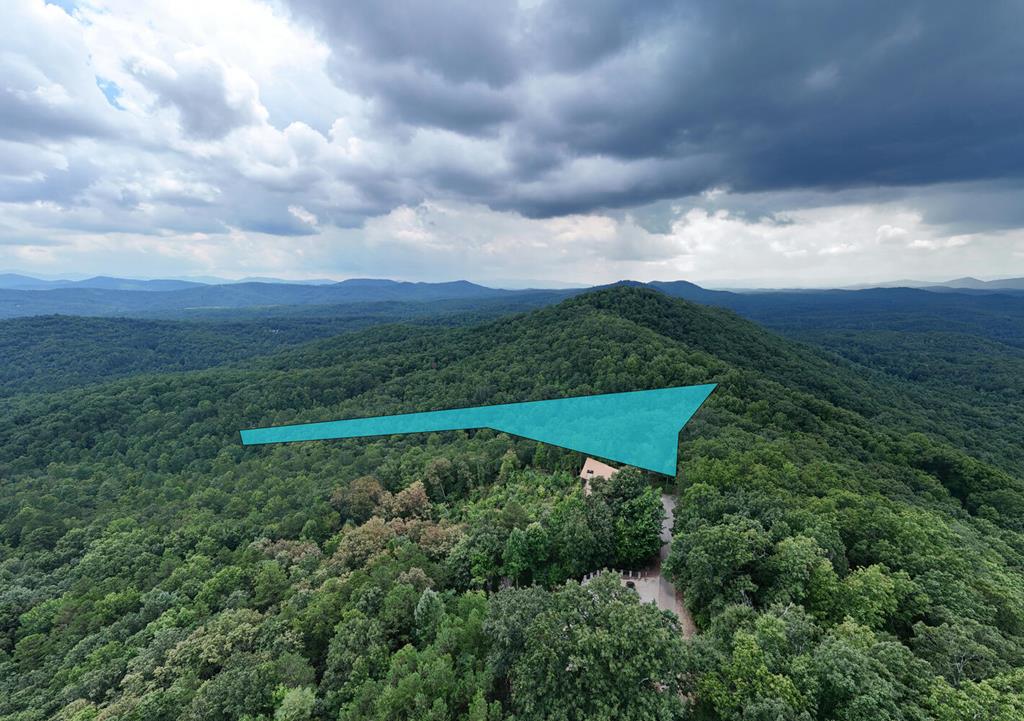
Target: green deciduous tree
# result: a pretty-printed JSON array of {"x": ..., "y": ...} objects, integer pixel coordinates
[
  {"x": 597, "y": 653},
  {"x": 429, "y": 614},
  {"x": 297, "y": 704},
  {"x": 638, "y": 528}
]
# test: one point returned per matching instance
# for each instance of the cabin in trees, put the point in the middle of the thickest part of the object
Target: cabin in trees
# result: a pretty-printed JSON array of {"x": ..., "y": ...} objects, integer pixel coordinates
[{"x": 595, "y": 469}]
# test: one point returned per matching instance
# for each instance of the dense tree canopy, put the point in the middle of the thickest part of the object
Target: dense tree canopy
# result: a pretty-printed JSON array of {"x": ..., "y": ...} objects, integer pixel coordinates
[{"x": 843, "y": 560}]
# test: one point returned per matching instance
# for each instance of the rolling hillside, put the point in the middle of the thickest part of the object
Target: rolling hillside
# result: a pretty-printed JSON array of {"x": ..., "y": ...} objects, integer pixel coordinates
[
  {"x": 838, "y": 560},
  {"x": 955, "y": 358},
  {"x": 47, "y": 353}
]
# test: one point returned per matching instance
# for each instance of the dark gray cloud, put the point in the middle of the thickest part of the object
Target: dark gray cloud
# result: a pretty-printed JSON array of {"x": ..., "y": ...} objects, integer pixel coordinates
[
  {"x": 422, "y": 97},
  {"x": 209, "y": 101},
  {"x": 27, "y": 115},
  {"x": 462, "y": 40},
  {"x": 60, "y": 185},
  {"x": 753, "y": 96},
  {"x": 567, "y": 37}
]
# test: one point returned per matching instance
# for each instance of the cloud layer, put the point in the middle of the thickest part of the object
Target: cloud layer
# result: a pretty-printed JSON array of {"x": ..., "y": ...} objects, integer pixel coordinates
[{"x": 541, "y": 140}]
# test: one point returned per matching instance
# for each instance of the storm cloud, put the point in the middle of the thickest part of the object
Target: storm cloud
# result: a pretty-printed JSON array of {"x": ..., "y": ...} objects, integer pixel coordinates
[
  {"x": 680, "y": 97},
  {"x": 818, "y": 139}
]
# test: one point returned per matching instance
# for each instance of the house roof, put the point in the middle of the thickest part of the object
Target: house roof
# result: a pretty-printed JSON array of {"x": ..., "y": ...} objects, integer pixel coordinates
[{"x": 596, "y": 469}]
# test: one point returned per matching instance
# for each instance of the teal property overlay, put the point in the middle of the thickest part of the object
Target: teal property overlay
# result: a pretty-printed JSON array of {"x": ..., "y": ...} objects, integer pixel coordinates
[{"x": 639, "y": 428}]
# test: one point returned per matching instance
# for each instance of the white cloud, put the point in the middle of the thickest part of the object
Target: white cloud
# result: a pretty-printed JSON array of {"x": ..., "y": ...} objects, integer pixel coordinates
[
  {"x": 304, "y": 215},
  {"x": 830, "y": 245},
  {"x": 890, "y": 234},
  {"x": 954, "y": 241}
]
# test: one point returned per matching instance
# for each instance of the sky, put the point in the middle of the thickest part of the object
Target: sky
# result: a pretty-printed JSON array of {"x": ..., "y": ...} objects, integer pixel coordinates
[{"x": 799, "y": 143}]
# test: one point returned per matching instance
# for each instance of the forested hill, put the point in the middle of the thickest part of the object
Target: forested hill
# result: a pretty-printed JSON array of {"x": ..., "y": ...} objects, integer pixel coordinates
[
  {"x": 48, "y": 353},
  {"x": 839, "y": 565}
]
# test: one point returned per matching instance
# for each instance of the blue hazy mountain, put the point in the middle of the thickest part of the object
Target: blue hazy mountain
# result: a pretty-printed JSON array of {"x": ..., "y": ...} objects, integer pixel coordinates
[
  {"x": 101, "y": 300},
  {"x": 966, "y": 283},
  {"x": 994, "y": 314},
  {"x": 15, "y": 281}
]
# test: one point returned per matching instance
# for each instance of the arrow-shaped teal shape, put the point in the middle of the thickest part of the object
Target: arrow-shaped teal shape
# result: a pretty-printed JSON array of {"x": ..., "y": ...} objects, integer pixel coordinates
[{"x": 639, "y": 428}]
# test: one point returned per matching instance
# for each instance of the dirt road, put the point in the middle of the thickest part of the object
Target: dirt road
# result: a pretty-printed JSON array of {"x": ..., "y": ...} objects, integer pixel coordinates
[{"x": 657, "y": 589}]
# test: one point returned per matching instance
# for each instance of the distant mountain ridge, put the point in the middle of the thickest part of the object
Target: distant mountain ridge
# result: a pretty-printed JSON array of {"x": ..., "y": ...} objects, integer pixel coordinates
[
  {"x": 107, "y": 301},
  {"x": 15, "y": 281},
  {"x": 108, "y": 297},
  {"x": 965, "y": 283},
  {"x": 18, "y": 281}
]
